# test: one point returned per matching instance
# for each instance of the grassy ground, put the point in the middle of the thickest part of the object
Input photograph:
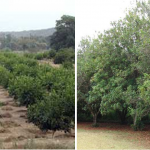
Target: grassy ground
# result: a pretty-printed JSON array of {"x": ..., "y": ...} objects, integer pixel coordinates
[{"x": 111, "y": 136}]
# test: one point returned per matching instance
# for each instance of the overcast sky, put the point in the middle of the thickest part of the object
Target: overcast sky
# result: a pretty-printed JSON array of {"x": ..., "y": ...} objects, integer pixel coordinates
[
  {"x": 96, "y": 15},
  {"x": 17, "y": 15}
]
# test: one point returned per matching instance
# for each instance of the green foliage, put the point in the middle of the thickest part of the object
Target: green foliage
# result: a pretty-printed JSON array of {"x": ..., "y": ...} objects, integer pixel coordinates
[
  {"x": 86, "y": 69},
  {"x": 50, "y": 114},
  {"x": 55, "y": 112},
  {"x": 144, "y": 89},
  {"x": 4, "y": 76},
  {"x": 26, "y": 90},
  {"x": 47, "y": 81},
  {"x": 22, "y": 69},
  {"x": 29, "y": 55},
  {"x": 39, "y": 56},
  {"x": 64, "y": 37},
  {"x": 67, "y": 65},
  {"x": 49, "y": 93},
  {"x": 2, "y": 104},
  {"x": 113, "y": 69},
  {"x": 43, "y": 55},
  {"x": 64, "y": 55},
  {"x": 51, "y": 54},
  {"x": 138, "y": 127}
]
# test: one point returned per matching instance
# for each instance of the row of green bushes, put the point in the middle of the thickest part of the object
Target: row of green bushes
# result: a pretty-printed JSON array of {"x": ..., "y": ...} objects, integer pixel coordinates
[
  {"x": 63, "y": 55},
  {"x": 48, "y": 93},
  {"x": 41, "y": 55}
]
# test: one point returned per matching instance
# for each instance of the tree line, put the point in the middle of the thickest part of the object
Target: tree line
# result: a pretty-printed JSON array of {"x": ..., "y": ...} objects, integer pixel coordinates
[{"x": 63, "y": 37}]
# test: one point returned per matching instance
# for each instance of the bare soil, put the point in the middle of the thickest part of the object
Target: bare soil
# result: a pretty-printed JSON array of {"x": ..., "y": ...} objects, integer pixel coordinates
[
  {"x": 51, "y": 63},
  {"x": 17, "y": 132}
]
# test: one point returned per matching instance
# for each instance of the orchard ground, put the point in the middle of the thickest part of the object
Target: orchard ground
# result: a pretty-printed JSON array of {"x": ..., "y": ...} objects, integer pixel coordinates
[
  {"x": 51, "y": 63},
  {"x": 112, "y": 136}
]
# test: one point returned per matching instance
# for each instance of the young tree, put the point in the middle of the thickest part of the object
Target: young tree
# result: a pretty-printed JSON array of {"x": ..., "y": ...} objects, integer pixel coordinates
[{"x": 86, "y": 69}]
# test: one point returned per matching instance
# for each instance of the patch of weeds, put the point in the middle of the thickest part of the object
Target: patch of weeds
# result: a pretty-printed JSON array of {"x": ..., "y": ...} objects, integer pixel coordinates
[
  {"x": 1, "y": 104},
  {"x": 1, "y": 145},
  {"x": 30, "y": 144},
  {"x": 138, "y": 127}
]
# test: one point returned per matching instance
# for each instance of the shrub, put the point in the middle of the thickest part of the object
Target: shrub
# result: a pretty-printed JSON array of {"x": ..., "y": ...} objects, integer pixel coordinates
[
  {"x": 43, "y": 70},
  {"x": 56, "y": 112},
  {"x": 64, "y": 55},
  {"x": 22, "y": 69},
  {"x": 67, "y": 65},
  {"x": 60, "y": 58},
  {"x": 47, "y": 81},
  {"x": 57, "y": 79},
  {"x": 51, "y": 54},
  {"x": 29, "y": 55},
  {"x": 49, "y": 114},
  {"x": 9, "y": 63},
  {"x": 42, "y": 55},
  {"x": 26, "y": 90},
  {"x": 49, "y": 93},
  {"x": 27, "y": 61},
  {"x": 139, "y": 126},
  {"x": 45, "y": 54},
  {"x": 4, "y": 77},
  {"x": 39, "y": 56}
]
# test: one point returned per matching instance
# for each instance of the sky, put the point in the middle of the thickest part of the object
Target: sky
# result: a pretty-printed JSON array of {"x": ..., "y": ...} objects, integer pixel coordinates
[
  {"x": 18, "y": 15},
  {"x": 94, "y": 16}
]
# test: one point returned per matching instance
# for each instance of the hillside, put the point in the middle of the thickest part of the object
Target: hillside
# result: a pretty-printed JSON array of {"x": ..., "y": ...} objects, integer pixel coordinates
[{"x": 39, "y": 33}]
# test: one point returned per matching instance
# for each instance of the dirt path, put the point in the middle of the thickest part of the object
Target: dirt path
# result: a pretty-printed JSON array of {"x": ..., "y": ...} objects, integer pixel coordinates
[
  {"x": 49, "y": 62},
  {"x": 16, "y": 132}
]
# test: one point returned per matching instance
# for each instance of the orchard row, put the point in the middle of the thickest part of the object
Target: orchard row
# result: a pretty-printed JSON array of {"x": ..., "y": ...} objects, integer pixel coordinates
[{"x": 48, "y": 93}]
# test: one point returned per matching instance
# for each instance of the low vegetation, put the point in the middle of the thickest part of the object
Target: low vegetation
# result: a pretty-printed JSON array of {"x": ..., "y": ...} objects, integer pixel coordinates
[
  {"x": 63, "y": 56},
  {"x": 48, "y": 93}
]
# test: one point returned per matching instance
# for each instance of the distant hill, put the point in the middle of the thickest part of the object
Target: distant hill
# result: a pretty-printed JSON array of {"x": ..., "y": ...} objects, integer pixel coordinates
[{"x": 39, "y": 33}]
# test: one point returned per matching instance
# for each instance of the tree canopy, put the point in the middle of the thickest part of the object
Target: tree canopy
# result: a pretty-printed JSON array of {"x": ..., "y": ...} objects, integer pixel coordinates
[
  {"x": 116, "y": 67},
  {"x": 64, "y": 37}
]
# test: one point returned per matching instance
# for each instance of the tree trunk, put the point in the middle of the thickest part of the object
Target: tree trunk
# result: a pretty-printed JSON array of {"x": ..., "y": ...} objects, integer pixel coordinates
[
  {"x": 123, "y": 115},
  {"x": 123, "y": 119},
  {"x": 94, "y": 119},
  {"x": 135, "y": 119}
]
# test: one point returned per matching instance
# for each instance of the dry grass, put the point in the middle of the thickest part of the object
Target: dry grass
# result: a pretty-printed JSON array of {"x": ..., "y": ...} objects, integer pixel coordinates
[
  {"x": 31, "y": 145},
  {"x": 49, "y": 62},
  {"x": 108, "y": 138}
]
